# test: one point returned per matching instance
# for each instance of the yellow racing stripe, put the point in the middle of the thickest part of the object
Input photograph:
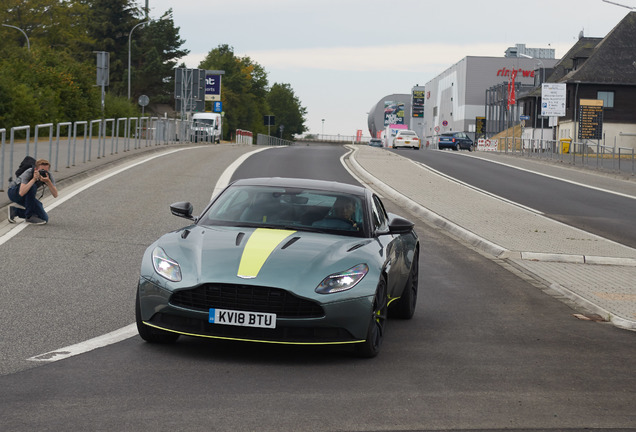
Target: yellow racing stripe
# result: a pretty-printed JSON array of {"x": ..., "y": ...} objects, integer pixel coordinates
[{"x": 258, "y": 248}]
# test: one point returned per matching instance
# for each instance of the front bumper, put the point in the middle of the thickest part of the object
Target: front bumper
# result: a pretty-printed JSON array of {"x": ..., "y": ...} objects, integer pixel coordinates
[{"x": 341, "y": 322}]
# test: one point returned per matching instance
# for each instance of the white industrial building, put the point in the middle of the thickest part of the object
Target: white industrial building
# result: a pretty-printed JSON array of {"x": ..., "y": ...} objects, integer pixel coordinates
[{"x": 458, "y": 96}]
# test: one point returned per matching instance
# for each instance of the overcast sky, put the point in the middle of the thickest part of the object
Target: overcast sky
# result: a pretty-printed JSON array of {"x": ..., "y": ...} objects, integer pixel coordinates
[{"x": 343, "y": 56}]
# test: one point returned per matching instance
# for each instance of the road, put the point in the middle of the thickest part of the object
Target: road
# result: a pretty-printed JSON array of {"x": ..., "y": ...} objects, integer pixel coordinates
[
  {"x": 596, "y": 211},
  {"x": 487, "y": 349}
]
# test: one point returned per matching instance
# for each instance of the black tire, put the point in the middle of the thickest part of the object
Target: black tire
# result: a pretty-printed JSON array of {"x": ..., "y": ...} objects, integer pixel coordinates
[
  {"x": 404, "y": 308},
  {"x": 458, "y": 147},
  {"x": 375, "y": 333},
  {"x": 151, "y": 334}
]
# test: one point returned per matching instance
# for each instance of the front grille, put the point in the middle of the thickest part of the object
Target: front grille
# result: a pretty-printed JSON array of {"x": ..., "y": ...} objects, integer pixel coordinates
[{"x": 246, "y": 298}]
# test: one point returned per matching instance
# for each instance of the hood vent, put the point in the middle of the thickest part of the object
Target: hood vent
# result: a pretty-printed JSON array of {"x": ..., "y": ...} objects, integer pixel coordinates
[
  {"x": 356, "y": 246},
  {"x": 290, "y": 242},
  {"x": 239, "y": 238}
]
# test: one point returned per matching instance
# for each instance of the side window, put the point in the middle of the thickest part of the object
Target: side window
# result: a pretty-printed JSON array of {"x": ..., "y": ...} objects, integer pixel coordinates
[{"x": 379, "y": 215}]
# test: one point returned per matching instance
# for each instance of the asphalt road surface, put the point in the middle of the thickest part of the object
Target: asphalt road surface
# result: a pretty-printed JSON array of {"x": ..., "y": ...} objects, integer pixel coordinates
[
  {"x": 486, "y": 350},
  {"x": 607, "y": 215}
]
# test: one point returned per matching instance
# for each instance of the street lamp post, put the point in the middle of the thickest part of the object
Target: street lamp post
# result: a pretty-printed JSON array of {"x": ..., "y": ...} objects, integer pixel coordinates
[
  {"x": 129, "y": 51},
  {"x": 323, "y": 129},
  {"x": 25, "y": 35}
]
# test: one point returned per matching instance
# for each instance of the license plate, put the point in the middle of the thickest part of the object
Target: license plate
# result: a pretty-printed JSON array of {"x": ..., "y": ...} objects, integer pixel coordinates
[{"x": 242, "y": 318}]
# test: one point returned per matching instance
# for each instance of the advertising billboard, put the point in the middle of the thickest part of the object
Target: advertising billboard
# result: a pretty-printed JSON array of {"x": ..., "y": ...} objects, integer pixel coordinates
[
  {"x": 213, "y": 87},
  {"x": 393, "y": 113}
]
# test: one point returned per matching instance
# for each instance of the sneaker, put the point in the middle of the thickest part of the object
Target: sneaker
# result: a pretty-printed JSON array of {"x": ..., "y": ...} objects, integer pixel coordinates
[
  {"x": 13, "y": 213},
  {"x": 34, "y": 220}
]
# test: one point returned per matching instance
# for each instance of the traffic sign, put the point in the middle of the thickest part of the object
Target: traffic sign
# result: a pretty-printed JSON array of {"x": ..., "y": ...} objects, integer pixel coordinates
[
  {"x": 143, "y": 100},
  {"x": 553, "y": 97}
]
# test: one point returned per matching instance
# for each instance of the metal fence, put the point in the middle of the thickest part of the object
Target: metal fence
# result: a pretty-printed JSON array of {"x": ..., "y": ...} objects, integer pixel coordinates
[
  {"x": 592, "y": 155},
  {"x": 268, "y": 140},
  {"x": 70, "y": 143}
]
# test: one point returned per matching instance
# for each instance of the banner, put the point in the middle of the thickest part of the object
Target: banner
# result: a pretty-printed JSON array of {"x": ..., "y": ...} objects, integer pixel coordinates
[{"x": 512, "y": 97}]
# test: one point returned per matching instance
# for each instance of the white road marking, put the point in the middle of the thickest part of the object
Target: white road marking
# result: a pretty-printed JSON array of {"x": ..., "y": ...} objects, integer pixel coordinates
[
  {"x": 73, "y": 192},
  {"x": 482, "y": 191},
  {"x": 224, "y": 179},
  {"x": 554, "y": 177},
  {"x": 131, "y": 329},
  {"x": 89, "y": 345},
  {"x": 114, "y": 336}
]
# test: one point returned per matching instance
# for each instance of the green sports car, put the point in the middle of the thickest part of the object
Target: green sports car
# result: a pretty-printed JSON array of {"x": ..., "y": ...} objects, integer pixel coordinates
[{"x": 281, "y": 260}]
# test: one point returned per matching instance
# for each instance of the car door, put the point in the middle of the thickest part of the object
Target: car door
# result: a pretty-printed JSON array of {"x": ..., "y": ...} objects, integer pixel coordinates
[{"x": 394, "y": 263}]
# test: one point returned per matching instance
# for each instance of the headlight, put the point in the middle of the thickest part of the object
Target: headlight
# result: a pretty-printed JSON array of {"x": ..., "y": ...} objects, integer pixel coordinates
[
  {"x": 342, "y": 281},
  {"x": 165, "y": 266}
]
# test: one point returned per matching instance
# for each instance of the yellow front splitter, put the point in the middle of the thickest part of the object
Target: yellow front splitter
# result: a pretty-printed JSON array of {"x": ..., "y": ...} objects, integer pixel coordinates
[{"x": 252, "y": 340}]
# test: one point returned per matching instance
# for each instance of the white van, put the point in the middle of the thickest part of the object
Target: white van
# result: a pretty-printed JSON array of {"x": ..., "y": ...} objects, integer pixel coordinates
[{"x": 206, "y": 126}]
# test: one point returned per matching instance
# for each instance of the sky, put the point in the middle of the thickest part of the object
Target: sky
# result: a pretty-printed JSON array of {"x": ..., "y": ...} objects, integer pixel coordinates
[{"x": 341, "y": 57}]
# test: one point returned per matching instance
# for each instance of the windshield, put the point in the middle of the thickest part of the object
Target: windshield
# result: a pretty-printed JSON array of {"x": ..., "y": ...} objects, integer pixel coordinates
[
  {"x": 203, "y": 122},
  {"x": 290, "y": 208}
]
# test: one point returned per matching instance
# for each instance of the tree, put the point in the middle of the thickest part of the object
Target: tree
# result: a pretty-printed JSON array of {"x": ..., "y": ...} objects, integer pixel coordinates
[
  {"x": 43, "y": 86},
  {"x": 55, "y": 80},
  {"x": 156, "y": 56},
  {"x": 109, "y": 24},
  {"x": 60, "y": 25},
  {"x": 287, "y": 110},
  {"x": 243, "y": 89}
]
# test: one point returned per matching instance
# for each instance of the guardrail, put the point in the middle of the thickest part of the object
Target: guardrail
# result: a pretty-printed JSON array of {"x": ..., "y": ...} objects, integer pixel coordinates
[
  {"x": 335, "y": 139},
  {"x": 134, "y": 131},
  {"x": 268, "y": 140},
  {"x": 592, "y": 155}
]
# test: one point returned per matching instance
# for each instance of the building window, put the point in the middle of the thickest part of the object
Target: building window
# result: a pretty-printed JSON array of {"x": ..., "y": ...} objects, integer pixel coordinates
[{"x": 607, "y": 97}]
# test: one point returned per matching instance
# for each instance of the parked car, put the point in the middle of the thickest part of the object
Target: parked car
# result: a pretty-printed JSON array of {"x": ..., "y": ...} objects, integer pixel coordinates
[
  {"x": 406, "y": 138},
  {"x": 455, "y": 141},
  {"x": 275, "y": 260},
  {"x": 375, "y": 142}
]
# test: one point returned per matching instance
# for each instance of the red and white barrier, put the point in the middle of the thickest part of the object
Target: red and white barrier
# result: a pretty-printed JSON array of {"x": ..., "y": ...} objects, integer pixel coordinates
[{"x": 244, "y": 137}]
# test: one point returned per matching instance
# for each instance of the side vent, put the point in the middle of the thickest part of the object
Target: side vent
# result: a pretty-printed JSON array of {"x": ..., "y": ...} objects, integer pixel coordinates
[{"x": 185, "y": 234}]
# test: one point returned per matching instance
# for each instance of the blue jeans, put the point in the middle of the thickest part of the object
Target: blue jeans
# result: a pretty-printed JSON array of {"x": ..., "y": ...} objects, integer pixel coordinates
[{"x": 32, "y": 205}]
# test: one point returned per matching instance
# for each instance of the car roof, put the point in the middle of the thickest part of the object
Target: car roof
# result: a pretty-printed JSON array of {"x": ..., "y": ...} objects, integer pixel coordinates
[
  {"x": 406, "y": 131},
  {"x": 331, "y": 186}
]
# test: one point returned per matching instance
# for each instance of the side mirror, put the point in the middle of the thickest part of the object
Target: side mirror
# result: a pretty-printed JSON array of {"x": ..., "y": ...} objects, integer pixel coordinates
[
  {"x": 182, "y": 209},
  {"x": 398, "y": 225}
]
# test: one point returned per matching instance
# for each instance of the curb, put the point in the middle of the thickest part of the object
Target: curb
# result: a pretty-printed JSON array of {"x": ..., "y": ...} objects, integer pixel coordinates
[{"x": 499, "y": 252}]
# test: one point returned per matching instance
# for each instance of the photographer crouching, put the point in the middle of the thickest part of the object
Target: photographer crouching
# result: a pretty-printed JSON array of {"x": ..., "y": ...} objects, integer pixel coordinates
[{"x": 23, "y": 190}]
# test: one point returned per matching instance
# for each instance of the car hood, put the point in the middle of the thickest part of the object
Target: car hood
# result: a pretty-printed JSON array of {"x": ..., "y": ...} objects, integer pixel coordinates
[{"x": 292, "y": 260}]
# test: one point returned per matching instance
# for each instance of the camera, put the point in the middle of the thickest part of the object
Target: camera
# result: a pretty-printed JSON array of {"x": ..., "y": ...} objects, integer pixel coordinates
[{"x": 43, "y": 173}]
